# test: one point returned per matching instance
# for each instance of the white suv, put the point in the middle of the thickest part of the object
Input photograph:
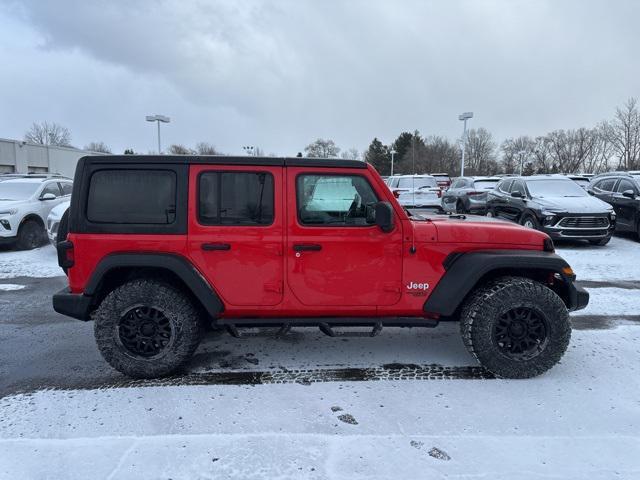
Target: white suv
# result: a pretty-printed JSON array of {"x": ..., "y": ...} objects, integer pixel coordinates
[
  {"x": 25, "y": 203},
  {"x": 416, "y": 190}
]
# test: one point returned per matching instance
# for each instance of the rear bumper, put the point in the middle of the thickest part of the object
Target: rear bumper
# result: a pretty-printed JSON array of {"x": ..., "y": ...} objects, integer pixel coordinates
[
  {"x": 578, "y": 297},
  {"x": 74, "y": 305}
]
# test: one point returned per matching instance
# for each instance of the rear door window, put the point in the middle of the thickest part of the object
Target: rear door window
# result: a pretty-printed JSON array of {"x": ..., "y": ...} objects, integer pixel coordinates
[
  {"x": 141, "y": 197},
  {"x": 235, "y": 198},
  {"x": 605, "y": 185}
]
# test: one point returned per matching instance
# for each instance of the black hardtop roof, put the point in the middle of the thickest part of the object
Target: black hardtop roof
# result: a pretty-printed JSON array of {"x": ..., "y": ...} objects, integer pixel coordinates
[{"x": 224, "y": 160}]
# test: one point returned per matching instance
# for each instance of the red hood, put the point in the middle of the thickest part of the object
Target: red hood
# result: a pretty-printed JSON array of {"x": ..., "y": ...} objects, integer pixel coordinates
[{"x": 478, "y": 230}]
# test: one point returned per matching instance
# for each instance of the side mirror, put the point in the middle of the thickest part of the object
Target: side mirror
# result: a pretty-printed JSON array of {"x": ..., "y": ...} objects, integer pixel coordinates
[
  {"x": 48, "y": 196},
  {"x": 384, "y": 216},
  {"x": 396, "y": 193},
  {"x": 629, "y": 194},
  {"x": 516, "y": 194}
]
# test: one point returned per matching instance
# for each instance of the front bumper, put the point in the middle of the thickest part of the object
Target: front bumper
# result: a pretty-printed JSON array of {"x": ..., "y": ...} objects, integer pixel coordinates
[
  {"x": 579, "y": 227},
  {"x": 578, "y": 297},
  {"x": 74, "y": 305}
]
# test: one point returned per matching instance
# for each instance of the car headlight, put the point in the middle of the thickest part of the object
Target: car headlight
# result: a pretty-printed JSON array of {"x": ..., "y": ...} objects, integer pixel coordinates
[
  {"x": 612, "y": 215},
  {"x": 12, "y": 211}
]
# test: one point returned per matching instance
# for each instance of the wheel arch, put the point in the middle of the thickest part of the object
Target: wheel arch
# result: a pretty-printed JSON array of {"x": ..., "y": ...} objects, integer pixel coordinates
[
  {"x": 32, "y": 216},
  {"x": 467, "y": 271},
  {"x": 117, "y": 269}
]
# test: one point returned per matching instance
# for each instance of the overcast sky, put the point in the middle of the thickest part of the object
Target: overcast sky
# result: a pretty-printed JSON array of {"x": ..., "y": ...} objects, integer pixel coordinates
[{"x": 279, "y": 74}]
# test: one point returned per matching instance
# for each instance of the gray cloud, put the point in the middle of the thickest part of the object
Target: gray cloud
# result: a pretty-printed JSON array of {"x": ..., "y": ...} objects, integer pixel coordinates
[{"x": 279, "y": 74}]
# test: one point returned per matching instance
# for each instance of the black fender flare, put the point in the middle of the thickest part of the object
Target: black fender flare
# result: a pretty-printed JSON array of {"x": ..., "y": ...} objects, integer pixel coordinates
[
  {"x": 465, "y": 270},
  {"x": 176, "y": 264}
]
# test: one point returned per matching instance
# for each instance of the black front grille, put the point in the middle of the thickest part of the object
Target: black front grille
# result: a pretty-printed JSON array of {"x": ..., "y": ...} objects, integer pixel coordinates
[{"x": 584, "y": 222}]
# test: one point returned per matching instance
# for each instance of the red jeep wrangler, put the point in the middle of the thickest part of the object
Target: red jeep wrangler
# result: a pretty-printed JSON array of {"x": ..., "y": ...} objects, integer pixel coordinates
[{"x": 161, "y": 247}]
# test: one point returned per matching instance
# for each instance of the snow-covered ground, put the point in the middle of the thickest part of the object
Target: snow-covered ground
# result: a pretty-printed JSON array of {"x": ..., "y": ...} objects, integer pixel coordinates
[
  {"x": 41, "y": 262},
  {"x": 580, "y": 420}
]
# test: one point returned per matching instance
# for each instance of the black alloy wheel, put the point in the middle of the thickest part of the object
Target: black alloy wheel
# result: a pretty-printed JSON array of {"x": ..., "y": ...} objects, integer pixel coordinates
[
  {"x": 521, "y": 333},
  {"x": 144, "y": 331}
]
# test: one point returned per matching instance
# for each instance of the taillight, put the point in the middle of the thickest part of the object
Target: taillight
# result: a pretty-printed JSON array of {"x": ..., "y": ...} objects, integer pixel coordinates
[
  {"x": 439, "y": 192},
  {"x": 475, "y": 193},
  {"x": 66, "y": 256},
  {"x": 396, "y": 193}
]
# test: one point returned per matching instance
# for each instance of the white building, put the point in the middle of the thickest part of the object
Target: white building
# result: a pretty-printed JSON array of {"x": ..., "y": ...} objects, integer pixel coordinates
[{"x": 18, "y": 156}]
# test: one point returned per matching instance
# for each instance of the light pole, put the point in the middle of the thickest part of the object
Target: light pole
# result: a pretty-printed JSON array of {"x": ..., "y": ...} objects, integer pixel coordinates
[
  {"x": 249, "y": 149},
  {"x": 158, "y": 118},
  {"x": 522, "y": 154},
  {"x": 464, "y": 117},
  {"x": 392, "y": 152}
]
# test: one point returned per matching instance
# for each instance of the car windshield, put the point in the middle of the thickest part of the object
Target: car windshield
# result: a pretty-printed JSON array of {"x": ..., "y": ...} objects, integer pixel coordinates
[
  {"x": 487, "y": 184},
  {"x": 417, "y": 182},
  {"x": 16, "y": 191},
  {"x": 555, "y": 188}
]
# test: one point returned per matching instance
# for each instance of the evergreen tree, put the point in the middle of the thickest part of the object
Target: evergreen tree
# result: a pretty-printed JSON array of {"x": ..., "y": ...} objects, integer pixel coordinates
[{"x": 378, "y": 156}]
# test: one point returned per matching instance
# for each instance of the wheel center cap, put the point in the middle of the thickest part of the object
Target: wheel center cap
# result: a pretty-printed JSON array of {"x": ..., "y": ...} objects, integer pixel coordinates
[
  {"x": 147, "y": 329},
  {"x": 517, "y": 329}
]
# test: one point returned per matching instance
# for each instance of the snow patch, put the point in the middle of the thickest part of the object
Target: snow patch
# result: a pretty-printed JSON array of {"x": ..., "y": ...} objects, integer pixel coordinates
[
  {"x": 40, "y": 262},
  {"x": 8, "y": 287}
]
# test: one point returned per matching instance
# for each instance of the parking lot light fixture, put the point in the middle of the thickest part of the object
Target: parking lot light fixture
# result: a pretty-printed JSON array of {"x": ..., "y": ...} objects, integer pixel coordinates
[
  {"x": 464, "y": 117},
  {"x": 392, "y": 152},
  {"x": 158, "y": 119}
]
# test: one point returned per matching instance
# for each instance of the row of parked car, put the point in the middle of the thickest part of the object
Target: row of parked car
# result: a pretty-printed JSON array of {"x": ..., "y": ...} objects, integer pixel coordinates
[
  {"x": 563, "y": 206},
  {"x": 31, "y": 208}
]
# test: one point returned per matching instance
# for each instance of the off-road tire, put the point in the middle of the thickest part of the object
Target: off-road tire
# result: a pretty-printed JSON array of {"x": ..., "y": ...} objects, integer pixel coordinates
[
  {"x": 602, "y": 242},
  {"x": 484, "y": 307},
  {"x": 30, "y": 235},
  {"x": 534, "y": 221},
  {"x": 184, "y": 318}
]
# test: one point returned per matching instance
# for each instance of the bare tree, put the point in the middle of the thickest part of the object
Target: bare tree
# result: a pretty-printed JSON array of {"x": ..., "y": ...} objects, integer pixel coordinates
[
  {"x": 45, "y": 133},
  {"x": 322, "y": 148},
  {"x": 351, "y": 154},
  {"x": 97, "y": 147},
  {"x": 177, "y": 149},
  {"x": 204, "y": 148},
  {"x": 515, "y": 150},
  {"x": 624, "y": 134},
  {"x": 480, "y": 154}
]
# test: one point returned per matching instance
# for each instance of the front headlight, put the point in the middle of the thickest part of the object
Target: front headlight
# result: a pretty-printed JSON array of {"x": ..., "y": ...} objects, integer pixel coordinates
[
  {"x": 13, "y": 211},
  {"x": 612, "y": 215}
]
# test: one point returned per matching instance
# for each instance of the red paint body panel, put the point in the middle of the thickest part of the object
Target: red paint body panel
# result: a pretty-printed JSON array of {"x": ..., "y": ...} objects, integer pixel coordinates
[{"x": 359, "y": 271}]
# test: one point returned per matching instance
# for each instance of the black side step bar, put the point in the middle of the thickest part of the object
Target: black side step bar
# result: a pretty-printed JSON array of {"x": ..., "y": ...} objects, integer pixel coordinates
[{"x": 326, "y": 325}]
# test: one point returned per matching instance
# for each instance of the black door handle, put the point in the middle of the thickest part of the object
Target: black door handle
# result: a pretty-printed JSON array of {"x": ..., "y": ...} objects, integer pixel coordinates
[
  {"x": 215, "y": 246},
  {"x": 307, "y": 247}
]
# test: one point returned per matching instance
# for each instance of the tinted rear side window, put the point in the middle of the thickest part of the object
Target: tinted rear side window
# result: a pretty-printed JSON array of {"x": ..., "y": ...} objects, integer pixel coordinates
[
  {"x": 235, "y": 198},
  {"x": 141, "y": 197}
]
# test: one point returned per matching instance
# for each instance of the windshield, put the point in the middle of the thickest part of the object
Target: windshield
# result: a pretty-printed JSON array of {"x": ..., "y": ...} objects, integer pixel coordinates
[
  {"x": 417, "y": 182},
  {"x": 555, "y": 188},
  {"x": 17, "y": 191},
  {"x": 485, "y": 184}
]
